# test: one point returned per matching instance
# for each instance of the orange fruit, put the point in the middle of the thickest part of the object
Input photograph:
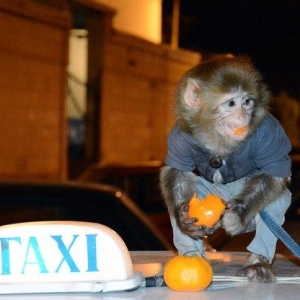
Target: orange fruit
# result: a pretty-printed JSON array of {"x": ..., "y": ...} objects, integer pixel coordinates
[
  {"x": 184, "y": 273},
  {"x": 240, "y": 130},
  {"x": 208, "y": 210}
]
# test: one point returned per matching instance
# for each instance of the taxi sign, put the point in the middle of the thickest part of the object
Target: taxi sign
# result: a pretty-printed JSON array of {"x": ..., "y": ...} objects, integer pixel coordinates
[{"x": 64, "y": 256}]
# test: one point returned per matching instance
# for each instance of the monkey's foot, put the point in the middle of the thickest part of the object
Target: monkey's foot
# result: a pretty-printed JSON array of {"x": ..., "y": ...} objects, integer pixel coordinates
[
  {"x": 257, "y": 273},
  {"x": 259, "y": 270}
]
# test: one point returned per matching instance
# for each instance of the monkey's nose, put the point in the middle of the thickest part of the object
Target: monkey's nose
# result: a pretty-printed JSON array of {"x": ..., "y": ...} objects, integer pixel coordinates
[{"x": 241, "y": 116}]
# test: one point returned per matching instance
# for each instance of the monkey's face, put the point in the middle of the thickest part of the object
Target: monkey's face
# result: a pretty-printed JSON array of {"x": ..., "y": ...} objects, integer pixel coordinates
[
  {"x": 234, "y": 115},
  {"x": 221, "y": 102}
]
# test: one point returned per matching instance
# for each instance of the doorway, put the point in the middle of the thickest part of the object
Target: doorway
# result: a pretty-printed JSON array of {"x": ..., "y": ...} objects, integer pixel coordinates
[{"x": 84, "y": 82}]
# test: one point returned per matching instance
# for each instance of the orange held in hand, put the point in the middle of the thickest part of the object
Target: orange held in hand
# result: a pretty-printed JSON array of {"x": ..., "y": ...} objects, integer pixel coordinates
[
  {"x": 207, "y": 210},
  {"x": 184, "y": 273},
  {"x": 240, "y": 130}
]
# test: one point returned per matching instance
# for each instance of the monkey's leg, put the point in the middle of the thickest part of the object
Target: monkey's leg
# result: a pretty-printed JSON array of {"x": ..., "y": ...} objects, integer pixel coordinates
[
  {"x": 185, "y": 243},
  {"x": 264, "y": 242},
  {"x": 259, "y": 268}
]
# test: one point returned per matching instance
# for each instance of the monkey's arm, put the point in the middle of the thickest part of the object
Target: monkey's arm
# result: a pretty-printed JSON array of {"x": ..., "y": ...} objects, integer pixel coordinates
[
  {"x": 177, "y": 190},
  {"x": 259, "y": 191}
]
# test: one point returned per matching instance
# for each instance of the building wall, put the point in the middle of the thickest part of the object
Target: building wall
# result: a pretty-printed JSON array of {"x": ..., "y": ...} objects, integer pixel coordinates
[
  {"x": 140, "y": 18},
  {"x": 33, "y": 58},
  {"x": 138, "y": 86}
]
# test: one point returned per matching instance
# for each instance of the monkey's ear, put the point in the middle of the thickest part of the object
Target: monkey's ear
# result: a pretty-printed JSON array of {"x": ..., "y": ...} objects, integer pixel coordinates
[{"x": 192, "y": 94}]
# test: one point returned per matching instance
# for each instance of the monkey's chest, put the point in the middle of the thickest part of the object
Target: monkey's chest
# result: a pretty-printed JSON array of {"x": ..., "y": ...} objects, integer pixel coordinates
[{"x": 231, "y": 168}]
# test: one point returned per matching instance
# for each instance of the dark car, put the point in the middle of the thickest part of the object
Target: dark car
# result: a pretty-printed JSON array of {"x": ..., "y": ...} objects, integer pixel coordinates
[
  {"x": 139, "y": 181},
  {"x": 104, "y": 204}
]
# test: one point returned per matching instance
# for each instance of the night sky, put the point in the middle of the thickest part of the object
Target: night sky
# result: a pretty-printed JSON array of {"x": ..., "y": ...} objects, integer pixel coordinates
[{"x": 267, "y": 31}]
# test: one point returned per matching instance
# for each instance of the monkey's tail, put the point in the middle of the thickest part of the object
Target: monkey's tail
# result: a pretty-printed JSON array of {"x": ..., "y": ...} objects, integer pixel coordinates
[{"x": 280, "y": 233}]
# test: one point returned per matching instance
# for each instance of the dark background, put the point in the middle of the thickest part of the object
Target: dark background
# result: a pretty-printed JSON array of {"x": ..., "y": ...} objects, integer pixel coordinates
[{"x": 267, "y": 31}]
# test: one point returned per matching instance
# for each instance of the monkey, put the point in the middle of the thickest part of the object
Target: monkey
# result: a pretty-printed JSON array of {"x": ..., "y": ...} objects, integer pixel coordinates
[{"x": 225, "y": 141}]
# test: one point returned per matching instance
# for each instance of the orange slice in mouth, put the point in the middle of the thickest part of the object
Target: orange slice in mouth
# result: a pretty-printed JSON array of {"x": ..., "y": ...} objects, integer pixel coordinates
[{"x": 240, "y": 130}]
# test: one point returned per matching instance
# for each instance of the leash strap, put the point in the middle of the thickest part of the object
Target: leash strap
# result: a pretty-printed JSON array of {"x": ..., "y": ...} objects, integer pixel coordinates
[{"x": 280, "y": 233}]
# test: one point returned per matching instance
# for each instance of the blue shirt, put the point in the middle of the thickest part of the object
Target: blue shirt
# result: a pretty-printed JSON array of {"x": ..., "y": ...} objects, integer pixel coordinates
[{"x": 265, "y": 152}]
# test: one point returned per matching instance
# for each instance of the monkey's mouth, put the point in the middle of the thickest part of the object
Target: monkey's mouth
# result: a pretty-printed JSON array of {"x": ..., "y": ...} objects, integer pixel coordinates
[
  {"x": 238, "y": 132},
  {"x": 241, "y": 130}
]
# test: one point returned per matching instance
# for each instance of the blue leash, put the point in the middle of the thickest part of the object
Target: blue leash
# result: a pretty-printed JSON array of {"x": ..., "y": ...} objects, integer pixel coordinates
[{"x": 280, "y": 233}]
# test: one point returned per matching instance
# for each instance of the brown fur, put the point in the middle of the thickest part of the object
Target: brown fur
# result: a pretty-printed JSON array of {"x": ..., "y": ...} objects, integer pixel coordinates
[
  {"x": 200, "y": 98},
  {"x": 217, "y": 77}
]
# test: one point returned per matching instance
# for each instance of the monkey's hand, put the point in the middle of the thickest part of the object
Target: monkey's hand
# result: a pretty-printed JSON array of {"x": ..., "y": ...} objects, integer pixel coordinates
[
  {"x": 258, "y": 192},
  {"x": 188, "y": 227},
  {"x": 233, "y": 221}
]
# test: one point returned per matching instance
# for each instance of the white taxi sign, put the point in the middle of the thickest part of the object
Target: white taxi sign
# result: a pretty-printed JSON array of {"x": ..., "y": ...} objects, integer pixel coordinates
[{"x": 64, "y": 256}]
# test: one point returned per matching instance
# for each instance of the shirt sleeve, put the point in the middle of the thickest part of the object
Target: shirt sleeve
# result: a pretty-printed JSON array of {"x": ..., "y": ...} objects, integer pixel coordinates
[
  {"x": 179, "y": 153},
  {"x": 271, "y": 149}
]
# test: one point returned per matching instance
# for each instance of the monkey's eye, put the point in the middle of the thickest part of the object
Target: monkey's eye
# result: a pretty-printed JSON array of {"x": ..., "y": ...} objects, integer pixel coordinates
[
  {"x": 248, "y": 102},
  {"x": 231, "y": 103}
]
